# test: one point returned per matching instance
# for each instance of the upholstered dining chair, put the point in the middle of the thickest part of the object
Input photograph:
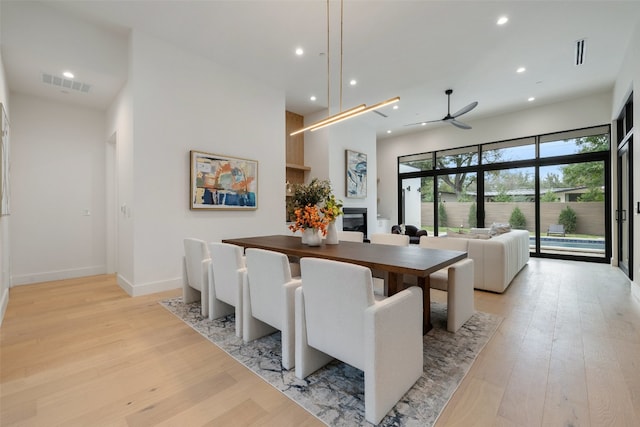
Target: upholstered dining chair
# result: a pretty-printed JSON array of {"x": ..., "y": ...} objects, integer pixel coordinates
[
  {"x": 379, "y": 285},
  {"x": 195, "y": 273},
  {"x": 269, "y": 300},
  {"x": 456, "y": 280},
  {"x": 227, "y": 275},
  {"x": 338, "y": 317},
  {"x": 390, "y": 239},
  {"x": 351, "y": 236}
]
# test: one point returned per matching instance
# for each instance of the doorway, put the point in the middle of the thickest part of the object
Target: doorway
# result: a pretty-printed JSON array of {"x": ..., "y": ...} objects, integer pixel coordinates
[{"x": 625, "y": 208}]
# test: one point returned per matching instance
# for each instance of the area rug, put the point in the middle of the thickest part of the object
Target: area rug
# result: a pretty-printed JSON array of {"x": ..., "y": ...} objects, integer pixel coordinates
[{"x": 335, "y": 393}]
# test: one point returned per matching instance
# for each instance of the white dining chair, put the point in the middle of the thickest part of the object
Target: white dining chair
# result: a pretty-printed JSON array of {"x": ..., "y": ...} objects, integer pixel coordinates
[
  {"x": 351, "y": 236},
  {"x": 338, "y": 317},
  {"x": 227, "y": 275},
  {"x": 456, "y": 280},
  {"x": 390, "y": 239},
  {"x": 195, "y": 273},
  {"x": 379, "y": 284},
  {"x": 268, "y": 294}
]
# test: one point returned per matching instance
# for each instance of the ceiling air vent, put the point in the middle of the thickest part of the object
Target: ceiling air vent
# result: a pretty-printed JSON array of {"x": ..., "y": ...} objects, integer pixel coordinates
[
  {"x": 579, "y": 57},
  {"x": 65, "y": 83}
]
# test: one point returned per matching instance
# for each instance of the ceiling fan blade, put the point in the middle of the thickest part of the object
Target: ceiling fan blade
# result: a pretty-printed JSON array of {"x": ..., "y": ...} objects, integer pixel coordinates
[
  {"x": 424, "y": 122},
  {"x": 465, "y": 109},
  {"x": 459, "y": 124}
]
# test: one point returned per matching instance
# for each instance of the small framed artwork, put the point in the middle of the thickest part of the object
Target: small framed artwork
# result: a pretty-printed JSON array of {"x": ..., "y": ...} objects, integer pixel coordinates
[
  {"x": 356, "y": 179},
  {"x": 221, "y": 182}
]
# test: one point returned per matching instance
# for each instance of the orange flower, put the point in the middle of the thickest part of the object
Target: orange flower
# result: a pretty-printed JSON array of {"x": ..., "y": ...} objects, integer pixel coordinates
[{"x": 309, "y": 217}]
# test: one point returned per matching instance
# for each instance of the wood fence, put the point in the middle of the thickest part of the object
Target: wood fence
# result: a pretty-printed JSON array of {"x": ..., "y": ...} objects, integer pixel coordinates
[{"x": 590, "y": 215}]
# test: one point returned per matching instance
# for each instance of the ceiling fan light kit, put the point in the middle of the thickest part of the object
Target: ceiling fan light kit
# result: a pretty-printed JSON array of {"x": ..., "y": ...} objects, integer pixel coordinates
[
  {"x": 451, "y": 118},
  {"x": 352, "y": 112}
]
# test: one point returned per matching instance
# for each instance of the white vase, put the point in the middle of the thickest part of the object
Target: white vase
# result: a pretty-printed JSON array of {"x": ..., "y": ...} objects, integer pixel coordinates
[
  {"x": 311, "y": 237},
  {"x": 332, "y": 234}
]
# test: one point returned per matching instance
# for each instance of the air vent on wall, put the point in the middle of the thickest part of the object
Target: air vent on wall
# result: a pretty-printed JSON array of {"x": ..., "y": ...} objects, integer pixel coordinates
[
  {"x": 65, "y": 83},
  {"x": 580, "y": 48}
]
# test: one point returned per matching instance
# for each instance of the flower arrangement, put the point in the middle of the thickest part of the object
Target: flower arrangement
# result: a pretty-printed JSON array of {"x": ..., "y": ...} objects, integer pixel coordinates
[
  {"x": 332, "y": 208},
  {"x": 316, "y": 192},
  {"x": 313, "y": 206},
  {"x": 309, "y": 217}
]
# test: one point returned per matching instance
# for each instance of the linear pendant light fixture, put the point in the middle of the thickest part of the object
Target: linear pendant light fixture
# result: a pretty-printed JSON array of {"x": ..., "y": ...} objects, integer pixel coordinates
[{"x": 352, "y": 112}]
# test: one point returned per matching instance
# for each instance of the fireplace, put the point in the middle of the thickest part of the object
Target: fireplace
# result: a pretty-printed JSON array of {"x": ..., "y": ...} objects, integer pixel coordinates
[{"x": 355, "y": 219}]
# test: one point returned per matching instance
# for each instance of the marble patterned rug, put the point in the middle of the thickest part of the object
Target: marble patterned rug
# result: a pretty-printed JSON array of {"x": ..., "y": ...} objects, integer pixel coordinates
[{"x": 335, "y": 393}]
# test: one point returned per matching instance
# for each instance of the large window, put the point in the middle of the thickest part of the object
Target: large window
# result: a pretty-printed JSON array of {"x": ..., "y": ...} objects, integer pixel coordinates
[{"x": 555, "y": 186}]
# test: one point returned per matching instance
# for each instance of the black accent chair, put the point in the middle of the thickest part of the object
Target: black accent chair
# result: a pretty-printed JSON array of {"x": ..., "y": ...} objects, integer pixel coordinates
[{"x": 412, "y": 231}]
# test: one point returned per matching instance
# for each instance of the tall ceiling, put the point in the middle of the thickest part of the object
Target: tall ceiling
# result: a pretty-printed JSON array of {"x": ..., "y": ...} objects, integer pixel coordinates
[{"x": 412, "y": 49}]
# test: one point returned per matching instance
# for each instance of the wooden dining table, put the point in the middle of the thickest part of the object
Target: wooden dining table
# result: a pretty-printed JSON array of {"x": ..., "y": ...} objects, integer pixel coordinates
[{"x": 396, "y": 261}]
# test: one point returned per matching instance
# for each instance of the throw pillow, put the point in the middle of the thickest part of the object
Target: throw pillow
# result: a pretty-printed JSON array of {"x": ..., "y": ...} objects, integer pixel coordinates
[{"x": 499, "y": 228}]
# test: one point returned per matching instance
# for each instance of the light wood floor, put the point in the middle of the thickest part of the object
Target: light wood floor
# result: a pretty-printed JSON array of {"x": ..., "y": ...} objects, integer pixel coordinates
[{"x": 82, "y": 353}]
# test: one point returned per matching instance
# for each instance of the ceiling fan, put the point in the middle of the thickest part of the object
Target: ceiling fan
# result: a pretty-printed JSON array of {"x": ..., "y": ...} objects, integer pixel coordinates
[{"x": 451, "y": 118}]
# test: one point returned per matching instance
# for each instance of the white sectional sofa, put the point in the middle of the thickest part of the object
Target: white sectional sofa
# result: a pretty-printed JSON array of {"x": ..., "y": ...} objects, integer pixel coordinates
[{"x": 497, "y": 260}]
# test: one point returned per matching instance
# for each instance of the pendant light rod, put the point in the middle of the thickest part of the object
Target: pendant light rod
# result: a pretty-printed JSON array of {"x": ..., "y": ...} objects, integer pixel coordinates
[
  {"x": 331, "y": 119},
  {"x": 341, "y": 47},
  {"x": 352, "y": 112},
  {"x": 334, "y": 120}
]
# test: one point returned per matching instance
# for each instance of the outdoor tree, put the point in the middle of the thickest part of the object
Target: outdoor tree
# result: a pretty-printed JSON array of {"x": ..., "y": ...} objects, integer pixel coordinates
[
  {"x": 426, "y": 189},
  {"x": 590, "y": 174},
  {"x": 458, "y": 183},
  {"x": 551, "y": 181},
  {"x": 502, "y": 196},
  {"x": 517, "y": 219},
  {"x": 442, "y": 215},
  {"x": 473, "y": 215},
  {"x": 549, "y": 196},
  {"x": 569, "y": 219}
]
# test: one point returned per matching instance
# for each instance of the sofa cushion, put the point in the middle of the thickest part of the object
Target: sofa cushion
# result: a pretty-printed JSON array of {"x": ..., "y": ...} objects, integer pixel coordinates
[
  {"x": 434, "y": 242},
  {"x": 456, "y": 234}
]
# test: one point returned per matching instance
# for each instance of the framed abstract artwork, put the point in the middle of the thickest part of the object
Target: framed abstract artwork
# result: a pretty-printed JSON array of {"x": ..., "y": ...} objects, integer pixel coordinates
[
  {"x": 221, "y": 182},
  {"x": 356, "y": 179}
]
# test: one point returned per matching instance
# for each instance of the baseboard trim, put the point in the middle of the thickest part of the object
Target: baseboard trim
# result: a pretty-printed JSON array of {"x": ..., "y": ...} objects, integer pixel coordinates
[
  {"x": 635, "y": 290},
  {"x": 4, "y": 302},
  {"x": 28, "y": 279},
  {"x": 148, "y": 288}
]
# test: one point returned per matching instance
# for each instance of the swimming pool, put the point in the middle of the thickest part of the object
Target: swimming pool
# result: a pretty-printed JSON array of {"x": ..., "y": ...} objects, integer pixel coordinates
[{"x": 568, "y": 242}]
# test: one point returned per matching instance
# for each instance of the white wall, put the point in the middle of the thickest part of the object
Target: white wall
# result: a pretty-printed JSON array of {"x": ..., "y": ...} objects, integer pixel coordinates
[
  {"x": 572, "y": 114},
  {"x": 57, "y": 188},
  {"x": 628, "y": 80},
  {"x": 120, "y": 185},
  {"x": 5, "y": 270},
  {"x": 181, "y": 102},
  {"x": 325, "y": 154}
]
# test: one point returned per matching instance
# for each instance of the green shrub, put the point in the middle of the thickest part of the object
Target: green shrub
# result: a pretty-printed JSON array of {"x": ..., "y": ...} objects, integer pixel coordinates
[
  {"x": 442, "y": 215},
  {"x": 569, "y": 219},
  {"x": 473, "y": 216},
  {"x": 517, "y": 219}
]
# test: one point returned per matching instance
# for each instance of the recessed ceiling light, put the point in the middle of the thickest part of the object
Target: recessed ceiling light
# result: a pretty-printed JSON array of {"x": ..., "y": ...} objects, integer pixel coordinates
[
  {"x": 389, "y": 131},
  {"x": 521, "y": 70},
  {"x": 299, "y": 51},
  {"x": 423, "y": 124},
  {"x": 353, "y": 82},
  {"x": 395, "y": 107},
  {"x": 68, "y": 74},
  {"x": 531, "y": 98},
  {"x": 313, "y": 97},
  {"x": 502, "y": 20}
]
